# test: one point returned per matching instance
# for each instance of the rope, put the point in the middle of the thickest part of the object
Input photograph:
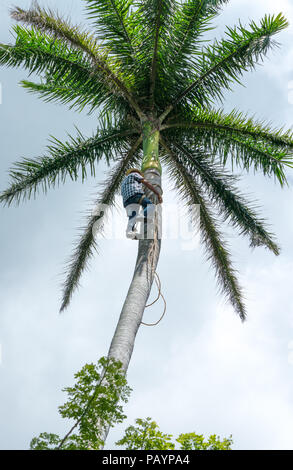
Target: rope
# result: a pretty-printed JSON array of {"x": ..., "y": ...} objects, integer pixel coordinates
[
  {"x": 158, "y": 283},
  {"x": 156, "y": 276}
]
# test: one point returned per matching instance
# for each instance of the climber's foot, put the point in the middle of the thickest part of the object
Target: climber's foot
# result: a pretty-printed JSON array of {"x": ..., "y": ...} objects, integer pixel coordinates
[
  {"x": 131, "y": 235},
  {"x": 131, "y": 232},
  {"x": 140, "y": 218}
]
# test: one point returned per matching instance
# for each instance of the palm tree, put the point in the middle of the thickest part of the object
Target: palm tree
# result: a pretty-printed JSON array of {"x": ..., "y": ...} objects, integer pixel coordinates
[{"x": 147, "y": 72}]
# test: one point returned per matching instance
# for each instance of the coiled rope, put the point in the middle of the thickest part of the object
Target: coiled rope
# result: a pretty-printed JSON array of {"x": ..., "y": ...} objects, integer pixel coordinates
[
  {"x": 158, "y": 283},
  {"x": 157, "y": 280}
]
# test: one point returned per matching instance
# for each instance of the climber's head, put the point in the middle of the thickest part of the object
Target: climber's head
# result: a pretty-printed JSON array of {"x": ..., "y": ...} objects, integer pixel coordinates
[{"x": 134, "y": 170}]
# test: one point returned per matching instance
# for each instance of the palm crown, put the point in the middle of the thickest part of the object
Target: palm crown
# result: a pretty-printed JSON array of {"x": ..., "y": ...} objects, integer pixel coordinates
[{"x": 146, "y": 61}]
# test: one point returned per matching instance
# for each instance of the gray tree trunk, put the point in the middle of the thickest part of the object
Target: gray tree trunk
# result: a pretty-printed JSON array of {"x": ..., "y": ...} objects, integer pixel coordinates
[
  {"x": 132, "y": 312},
  {"x": 133, "y": 309}
]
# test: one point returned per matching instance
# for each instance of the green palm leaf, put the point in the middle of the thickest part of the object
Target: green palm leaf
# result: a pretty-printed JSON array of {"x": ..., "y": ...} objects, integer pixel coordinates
[
  {"x": 152, "y": 32},
  {"x": 235, "y": 122},
  {"x": 95, "y": 224},
  {"x": 64, "y": 160},
  {"x": 114, "y": 25},
  {"x": 49, "y": 22},
  {"x": 216, "y": 248},
  {"x": 191, "y": 20},
  {"x": 220, "y": 186},
  {"x": 40, "y": 53},
  {"x": 225, "y": 61},
  {"x": 248, "y": 143}
]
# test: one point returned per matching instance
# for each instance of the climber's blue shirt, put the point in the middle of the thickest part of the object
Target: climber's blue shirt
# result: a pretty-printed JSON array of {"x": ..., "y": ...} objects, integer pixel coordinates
[{"x": 131, "y": 185}]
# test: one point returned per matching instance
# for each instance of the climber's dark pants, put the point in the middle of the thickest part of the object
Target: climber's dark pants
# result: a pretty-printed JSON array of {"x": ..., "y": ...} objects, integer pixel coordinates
[{"x": 138, "y": 199}]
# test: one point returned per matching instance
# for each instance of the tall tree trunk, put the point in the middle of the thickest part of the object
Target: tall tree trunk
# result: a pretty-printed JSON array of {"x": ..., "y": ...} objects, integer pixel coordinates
[
  {"x": 130, "y": 319},
  {"x": 146, "y": 263}
]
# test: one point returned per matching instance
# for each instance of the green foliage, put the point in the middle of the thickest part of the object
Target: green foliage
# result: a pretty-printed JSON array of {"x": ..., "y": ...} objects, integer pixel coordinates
[
  {"x": 225, "y": 61},
  {"x": 66, "y": 66},
  {"x": 217, "y": 251},
  {"x": 93, "y": 403},
  {"x": 148, "y": 60},
  {"x": 221, "y": 189},
  {"x": 67, "y": 159},
  {"x": 48, "y": 21},
  {"x": 45, "y": 441},
  {"x": 113, "y": 21},
  {"x": 191, "y": 21},
  {"x": 192, "y": 441},
  {"x": 250, "y": 144},
  {"x": 95, "y": 223},
  {"x": 146, "y": 435},
  {"x": 156, "y": 17}
]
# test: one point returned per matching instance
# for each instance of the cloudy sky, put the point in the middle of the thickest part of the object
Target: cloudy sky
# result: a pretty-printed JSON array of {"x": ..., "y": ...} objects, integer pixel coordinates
[{"x": 200, "y": 369}]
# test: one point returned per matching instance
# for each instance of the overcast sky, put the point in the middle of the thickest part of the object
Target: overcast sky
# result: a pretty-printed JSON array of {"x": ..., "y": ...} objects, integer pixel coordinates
[{"x": 200, "y": 369}]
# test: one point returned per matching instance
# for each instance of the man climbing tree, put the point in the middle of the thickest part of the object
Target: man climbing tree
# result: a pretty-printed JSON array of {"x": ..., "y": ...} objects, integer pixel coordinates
[{"x": 134, "y": 197}]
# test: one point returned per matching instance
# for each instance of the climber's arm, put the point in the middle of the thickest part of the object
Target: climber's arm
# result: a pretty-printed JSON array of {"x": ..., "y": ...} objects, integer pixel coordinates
[{"x": 153, "y": 189}]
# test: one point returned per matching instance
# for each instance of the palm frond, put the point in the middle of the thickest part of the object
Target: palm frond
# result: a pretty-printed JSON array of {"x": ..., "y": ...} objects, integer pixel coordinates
[
  {"x": 248, "y": 154},
  {"x": 162, "y": 12},
  {"x": 68, "y": 94},
  {"x": 153, "y": 71},
  {"x": 236, "y": 122},
  {"x": 153, "y": 20},
  {"x": 48, "y": 21},
  {"x": 221, "y": 189},
  {"x": 87, "y": 244},
  {"x": 191, "y": 20},
  {"x": 65, "y": 159},
  {"x": 114, "y": 26},
  {"x": 216, "y": 248},
  {"x": 78, "y": 95},
  {"x": 45, "y": 56},
  {"x": 249, "y": 144},
  {"x": 40, "y": 53},
  {"x": 225, "y": 61}
]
